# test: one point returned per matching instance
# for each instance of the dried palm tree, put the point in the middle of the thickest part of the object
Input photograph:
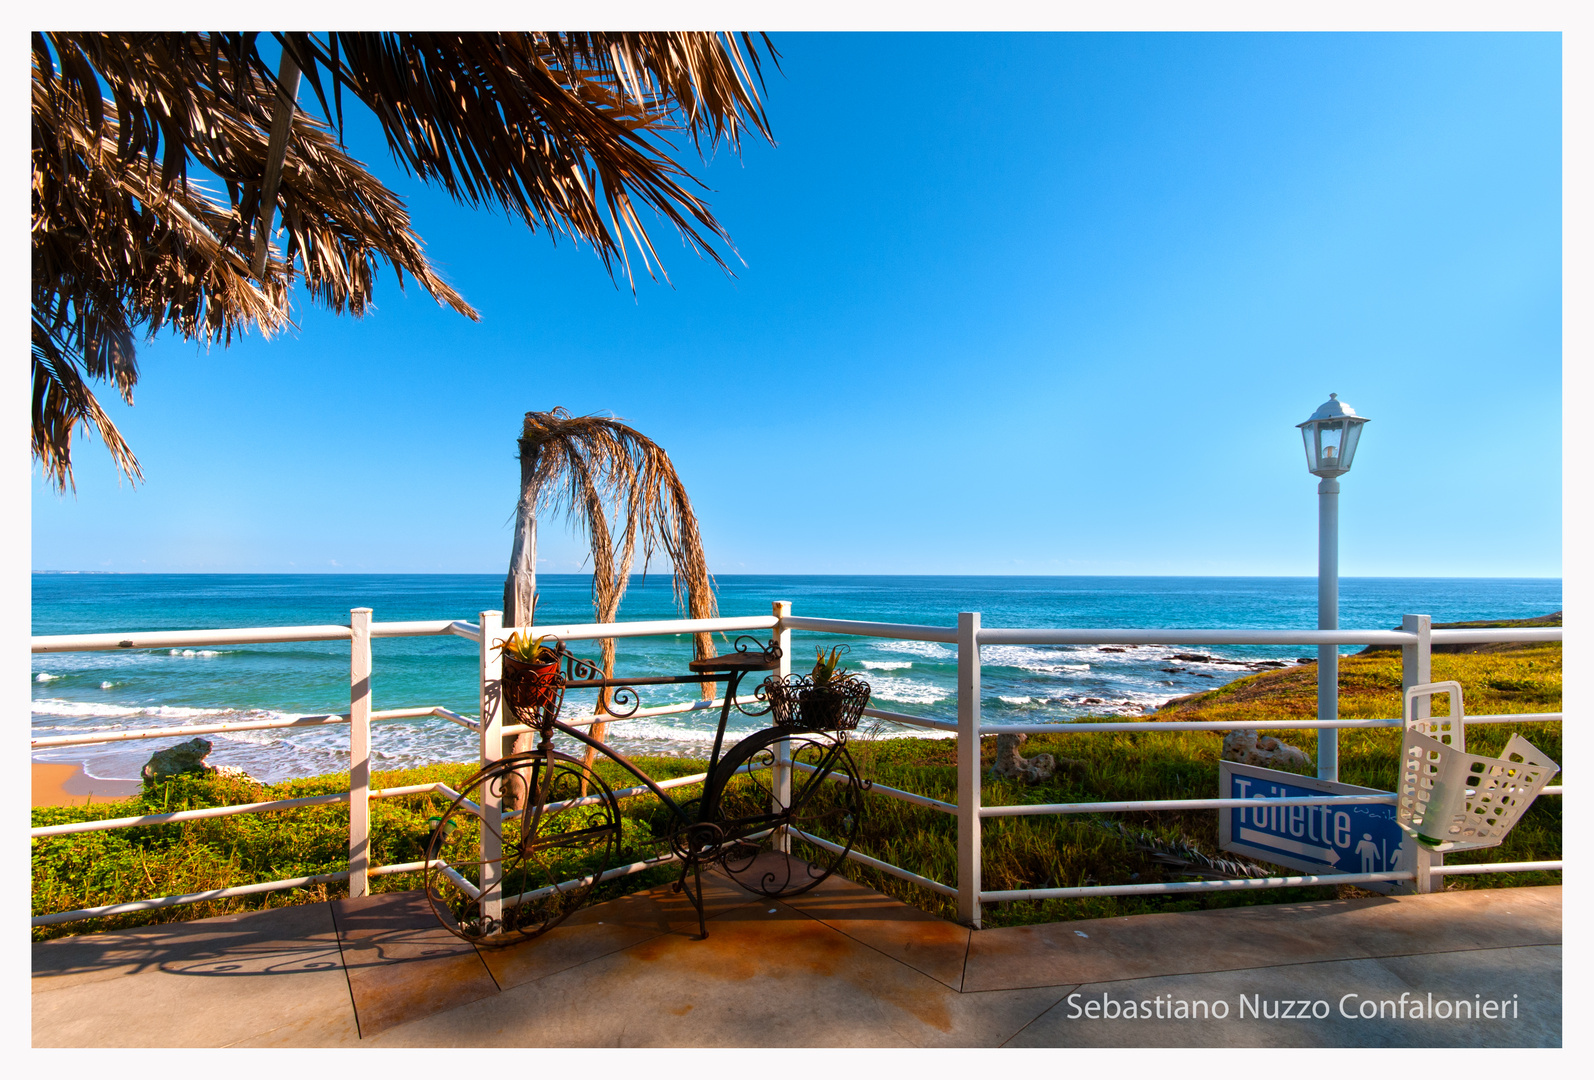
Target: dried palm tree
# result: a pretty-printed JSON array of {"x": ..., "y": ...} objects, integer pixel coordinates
[
  {"x": 616, "y": 486},
  {"x": 162, "y": 162}
]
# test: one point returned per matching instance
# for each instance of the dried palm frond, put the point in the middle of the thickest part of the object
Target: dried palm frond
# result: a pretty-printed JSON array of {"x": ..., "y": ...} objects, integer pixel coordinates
[
  {"x": 564, "y": 131},
  {"x": 1181, "y": 854},
  {"x": 615, "y": 486}
]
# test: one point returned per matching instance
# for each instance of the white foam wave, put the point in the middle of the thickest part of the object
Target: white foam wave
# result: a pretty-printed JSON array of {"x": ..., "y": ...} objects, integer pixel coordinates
[
  {"x": 57, "y": 707},
  {"x": 102, "y": 710},
  {"x": 1035, "y": 661},
  {"x": 106, "y": 685},
  {"x": 933, "y": 649},
  {"x": 45, "y": 676},
  {"x": 887, "y": 665},
  {"x": 658, "y": 729},
  {"x": 207, "y": 653},
  {"x": 905, "y": 691},
  {"x": 1014, "y": 700}
]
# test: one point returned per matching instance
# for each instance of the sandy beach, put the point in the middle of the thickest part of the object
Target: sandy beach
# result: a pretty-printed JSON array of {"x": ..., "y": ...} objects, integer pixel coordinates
[{"x": 68, "y": 785}]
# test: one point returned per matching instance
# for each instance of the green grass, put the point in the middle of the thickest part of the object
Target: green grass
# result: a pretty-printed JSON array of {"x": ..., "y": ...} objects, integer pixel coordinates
[
  {"x": 1060, "y": 851},
  {"x": 92, "y": 869}
]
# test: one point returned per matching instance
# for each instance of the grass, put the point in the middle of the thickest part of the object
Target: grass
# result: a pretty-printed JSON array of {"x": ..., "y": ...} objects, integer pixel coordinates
[
  {"x": 97, "y": 868},
  {"x": 1060, "y": 851}
]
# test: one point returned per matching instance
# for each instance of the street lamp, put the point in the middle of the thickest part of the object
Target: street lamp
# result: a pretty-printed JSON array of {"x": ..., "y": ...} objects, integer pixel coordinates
[{"x": 1331, "y": 434}]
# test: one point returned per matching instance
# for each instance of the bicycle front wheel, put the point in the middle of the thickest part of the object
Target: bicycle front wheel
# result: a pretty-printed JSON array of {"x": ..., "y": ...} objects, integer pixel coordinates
[
  {"x": 783, "y": 837},
  {"x": 542, "y": 861}
]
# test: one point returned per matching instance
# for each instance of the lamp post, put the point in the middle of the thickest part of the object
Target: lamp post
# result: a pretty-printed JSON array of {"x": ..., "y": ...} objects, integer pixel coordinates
[{"x": 1331, "y": 434}]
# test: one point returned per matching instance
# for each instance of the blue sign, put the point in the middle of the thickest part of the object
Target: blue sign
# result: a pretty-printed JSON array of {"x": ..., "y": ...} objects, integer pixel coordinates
[{"x": 1352, "y": 838}]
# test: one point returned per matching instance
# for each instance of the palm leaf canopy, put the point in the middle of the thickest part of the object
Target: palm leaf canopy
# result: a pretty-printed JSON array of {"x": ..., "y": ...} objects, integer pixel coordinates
[{"x": 161, "y": 162}]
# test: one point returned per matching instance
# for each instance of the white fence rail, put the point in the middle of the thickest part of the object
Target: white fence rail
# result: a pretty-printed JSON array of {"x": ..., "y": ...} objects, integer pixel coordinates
[{"x": 967, "y": 637}]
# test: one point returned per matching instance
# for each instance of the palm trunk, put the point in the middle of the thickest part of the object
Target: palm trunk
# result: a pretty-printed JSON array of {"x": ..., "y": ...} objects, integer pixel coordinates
[
  {"x": 519, "y": 589},
  {"x": 521, "y": 584}
]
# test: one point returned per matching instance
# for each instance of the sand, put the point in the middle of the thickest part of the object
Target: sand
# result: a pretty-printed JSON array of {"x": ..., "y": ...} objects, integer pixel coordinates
[{"x": 68, "y": 785}]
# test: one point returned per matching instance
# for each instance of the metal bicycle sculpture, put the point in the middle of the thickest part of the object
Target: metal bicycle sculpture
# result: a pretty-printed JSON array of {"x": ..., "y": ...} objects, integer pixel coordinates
[{"x": 764, "y": 804}]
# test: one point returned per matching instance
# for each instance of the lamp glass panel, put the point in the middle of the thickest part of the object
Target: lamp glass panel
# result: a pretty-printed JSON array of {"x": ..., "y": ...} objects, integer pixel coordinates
[
  {"x": 1353, "y": 432},
  {"x": 1330, "y": 438}
]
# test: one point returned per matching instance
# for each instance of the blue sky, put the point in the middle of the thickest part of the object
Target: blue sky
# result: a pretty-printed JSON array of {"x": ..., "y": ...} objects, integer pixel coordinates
[{"x": 1035, "y": 304}]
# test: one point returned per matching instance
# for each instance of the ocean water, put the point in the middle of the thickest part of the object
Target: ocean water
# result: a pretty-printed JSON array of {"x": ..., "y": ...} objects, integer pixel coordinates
[{"x": 82, "y": 692}]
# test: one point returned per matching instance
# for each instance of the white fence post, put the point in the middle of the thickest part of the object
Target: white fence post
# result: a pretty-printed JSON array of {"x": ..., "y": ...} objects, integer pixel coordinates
[
  {"x": 969, "y": 768},
  {"x": 359, "y": 750},
  {"x": 492, "y": 748},
  {"x": 781, "y": 778},
  {"x": 1416, "y": 668}
]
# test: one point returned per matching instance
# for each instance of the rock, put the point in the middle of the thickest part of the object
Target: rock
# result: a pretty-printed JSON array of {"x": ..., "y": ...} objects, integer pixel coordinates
[
  {"x": 188, "y": 757},
  {"x": 1192, "y": 657},
  {"x": 1012, "y": 765},
  {"x": 1246, "y": 747},
  {"x": 232, "y": 772}
]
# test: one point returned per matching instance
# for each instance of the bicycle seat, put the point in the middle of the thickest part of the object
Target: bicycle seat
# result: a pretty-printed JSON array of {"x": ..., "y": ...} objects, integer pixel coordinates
[{"x": 736, "y": 661}]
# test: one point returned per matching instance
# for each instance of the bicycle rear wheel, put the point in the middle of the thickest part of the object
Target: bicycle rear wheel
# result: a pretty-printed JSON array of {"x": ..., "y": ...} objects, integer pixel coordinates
[
  {"x": 548, "y": 857},
  {"x": 772, "y": 846}
]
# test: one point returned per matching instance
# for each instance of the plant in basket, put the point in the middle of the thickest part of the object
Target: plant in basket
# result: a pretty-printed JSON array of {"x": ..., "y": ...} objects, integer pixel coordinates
[{"x": 828, "y": 698}]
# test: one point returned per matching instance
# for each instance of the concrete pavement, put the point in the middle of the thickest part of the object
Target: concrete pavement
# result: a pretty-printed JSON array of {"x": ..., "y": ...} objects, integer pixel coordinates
[{"x": 841, "y": 966}]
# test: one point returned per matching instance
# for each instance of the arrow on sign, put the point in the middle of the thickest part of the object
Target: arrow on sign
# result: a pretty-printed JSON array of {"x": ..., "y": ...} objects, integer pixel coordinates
[{"x": 1320, "y": 854}]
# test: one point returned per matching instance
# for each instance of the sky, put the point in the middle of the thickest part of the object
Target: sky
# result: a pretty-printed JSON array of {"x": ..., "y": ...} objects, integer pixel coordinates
[{"x": 1002, "y": 304}]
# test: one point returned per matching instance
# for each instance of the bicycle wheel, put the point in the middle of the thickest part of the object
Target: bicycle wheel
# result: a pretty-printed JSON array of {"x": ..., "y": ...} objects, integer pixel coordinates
[
  {"x": 548, "y": 856},
  {"x": 768, "y": 849}
]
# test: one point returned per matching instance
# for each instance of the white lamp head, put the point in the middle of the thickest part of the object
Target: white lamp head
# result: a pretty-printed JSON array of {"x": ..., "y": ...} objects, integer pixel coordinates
[{"x": 1331, "y": 434}]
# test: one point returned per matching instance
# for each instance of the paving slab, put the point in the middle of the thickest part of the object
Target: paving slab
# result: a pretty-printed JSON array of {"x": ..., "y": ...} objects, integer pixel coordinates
[
  {"x": 1176, "y": 943},
  {"x": 1331, "y": 997},
  {"x": 609, "y": 927},
  {"x": 401, "y": 963},
  {"x": 272, "y": 975},
  {"x": 927, "y": 944},
  {"x": 767, "y": 975}
]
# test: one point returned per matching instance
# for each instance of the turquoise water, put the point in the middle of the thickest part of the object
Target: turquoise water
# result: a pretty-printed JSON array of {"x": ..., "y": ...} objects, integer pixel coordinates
[{"x": 82, "y": 692}]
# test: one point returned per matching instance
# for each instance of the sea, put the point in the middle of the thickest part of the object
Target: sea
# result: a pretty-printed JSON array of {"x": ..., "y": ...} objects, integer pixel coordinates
[{"x": 76, "y": 693}]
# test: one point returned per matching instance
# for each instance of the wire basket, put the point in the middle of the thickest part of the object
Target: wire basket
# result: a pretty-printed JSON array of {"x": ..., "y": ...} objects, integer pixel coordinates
[
  {"x": 1451, "y": 800},
  {"x": 795, "y": 702},
  {"x": 534, "y": 693}
]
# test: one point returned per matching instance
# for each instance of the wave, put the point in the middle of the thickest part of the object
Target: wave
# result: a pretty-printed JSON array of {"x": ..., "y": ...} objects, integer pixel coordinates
[
  {"x": 1014, "y": 700},
  {"x": 102, "y": 711},
  {"x": 905, "y": 691},
  {"x": 1033, "y": 660},
  {"x": 45, "y": 676},
  {"x": 206, "y": 653},
  {"x": 887, "y": 665},
  {"x": 932, "y": 649},
  {"x": 59, "y": 707}
]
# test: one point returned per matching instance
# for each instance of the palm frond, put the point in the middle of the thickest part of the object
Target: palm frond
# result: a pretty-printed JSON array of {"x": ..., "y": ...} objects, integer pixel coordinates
[
  {"x": 615, "y": 486},
  {"x": 567, "y": 132}
]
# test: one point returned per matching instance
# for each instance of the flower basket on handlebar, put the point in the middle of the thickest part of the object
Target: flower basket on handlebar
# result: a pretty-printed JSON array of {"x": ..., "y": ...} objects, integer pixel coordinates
[
  {"x": 534, "y": 689},
  {"x": 795, "y": 702}
]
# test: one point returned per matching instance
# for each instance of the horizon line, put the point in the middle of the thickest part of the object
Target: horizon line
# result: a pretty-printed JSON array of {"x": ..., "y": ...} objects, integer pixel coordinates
[{"x": 642, "y": 580}]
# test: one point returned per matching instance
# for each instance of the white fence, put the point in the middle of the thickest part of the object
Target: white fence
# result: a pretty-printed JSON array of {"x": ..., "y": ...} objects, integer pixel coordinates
[{"x": 1415, "y": 639}]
